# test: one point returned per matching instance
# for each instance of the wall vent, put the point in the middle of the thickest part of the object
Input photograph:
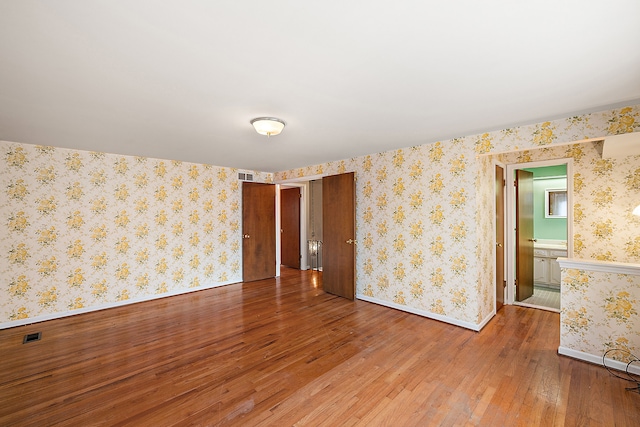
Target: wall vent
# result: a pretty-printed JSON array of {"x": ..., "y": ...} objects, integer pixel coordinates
[
  {"x": 36, "y": 336},
  {"x": 245, "y": 176}
]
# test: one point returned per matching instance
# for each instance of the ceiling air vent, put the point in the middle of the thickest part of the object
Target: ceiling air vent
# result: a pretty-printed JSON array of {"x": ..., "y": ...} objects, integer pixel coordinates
[{"x": 245, "y": 176}]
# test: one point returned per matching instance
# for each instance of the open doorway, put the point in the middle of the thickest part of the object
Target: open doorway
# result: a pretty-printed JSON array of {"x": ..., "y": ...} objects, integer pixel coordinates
[
  {"x": 314, "y": 233},
  {"x": 539, "y": 224},
  {"x": 290, "y": 211},
  {"x": 300, "y": 224},
  {"x": 330, "y": 230}
]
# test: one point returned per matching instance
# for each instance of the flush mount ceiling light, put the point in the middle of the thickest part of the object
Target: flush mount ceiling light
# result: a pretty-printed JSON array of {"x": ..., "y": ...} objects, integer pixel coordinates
[
  {"x": 636, "y": 211},
  {"x": 268, "y": 125}
]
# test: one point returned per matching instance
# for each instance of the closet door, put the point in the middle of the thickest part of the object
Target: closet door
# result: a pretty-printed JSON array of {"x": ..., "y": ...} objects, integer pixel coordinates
[
  {"x": 290, "y": 227},
  {"x": 258, "y": 231},
  {"x": 339, "y": 234}
]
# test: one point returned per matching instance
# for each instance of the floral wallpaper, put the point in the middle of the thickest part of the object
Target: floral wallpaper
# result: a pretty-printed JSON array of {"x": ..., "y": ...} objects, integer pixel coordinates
[
  {"x": 425, "y": 220},
  {"x": 600, "y": 313},
  {"x": 605, "y": 192},
  {"x": 84, "y": 230},
  {"x": 599, "y": 309}
]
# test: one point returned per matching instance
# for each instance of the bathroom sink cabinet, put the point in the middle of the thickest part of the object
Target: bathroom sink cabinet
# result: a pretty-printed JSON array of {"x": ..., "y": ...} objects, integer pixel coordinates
[{"x": 546, "y": 270}]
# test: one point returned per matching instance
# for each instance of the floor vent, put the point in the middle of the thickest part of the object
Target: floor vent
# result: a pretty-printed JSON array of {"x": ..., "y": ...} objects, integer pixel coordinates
[
  {"x": 245, "y": 176},
  {"x": 36, "y": 336}
]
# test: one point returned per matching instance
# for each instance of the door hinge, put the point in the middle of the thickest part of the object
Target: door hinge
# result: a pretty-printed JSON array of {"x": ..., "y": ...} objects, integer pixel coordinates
[
  {"x": 504, "y": 182},
  {"x": 504, "y": 283},
  {"x": 515, "y": 182}
]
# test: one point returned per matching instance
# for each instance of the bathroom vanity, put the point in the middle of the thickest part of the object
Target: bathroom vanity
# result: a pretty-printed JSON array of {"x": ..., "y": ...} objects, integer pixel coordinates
[{"x": 546, "y": 270}]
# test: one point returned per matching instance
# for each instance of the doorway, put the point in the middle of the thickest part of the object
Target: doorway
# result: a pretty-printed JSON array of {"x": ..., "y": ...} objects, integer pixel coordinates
[
  {"x": 309, "y": 222},
  {"x": 290, "y": 201},
  {"x": 533, "y": 274},
  {"x": 328, "y": 205}
]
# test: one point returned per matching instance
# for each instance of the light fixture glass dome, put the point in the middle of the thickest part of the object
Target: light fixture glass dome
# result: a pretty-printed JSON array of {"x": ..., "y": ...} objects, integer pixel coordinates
[
  {"x": 636, "y": 211},
  {"x": 268, "y": 125}
]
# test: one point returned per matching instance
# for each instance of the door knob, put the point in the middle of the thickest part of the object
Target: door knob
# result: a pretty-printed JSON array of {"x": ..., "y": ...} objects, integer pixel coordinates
[
  {"x": 533, "y": 240},
  {"x": 245, "y": 236},
  {"x": 351, "y": 241},
  {"x": 499, "y": 244}
]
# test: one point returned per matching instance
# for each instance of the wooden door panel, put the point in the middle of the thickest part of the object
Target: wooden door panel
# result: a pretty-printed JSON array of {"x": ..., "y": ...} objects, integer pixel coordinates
[
  {"x": 524, "y": 234},
  {"x": 339, "y": 233},
  {"x": 499, "y": 193},
  {"x": 258, "y": 231},
  {"x": 290, "y": 227}
]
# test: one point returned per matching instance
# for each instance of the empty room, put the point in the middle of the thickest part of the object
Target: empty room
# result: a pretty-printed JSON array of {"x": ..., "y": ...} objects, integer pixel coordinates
[{"x": 285, "y": 213}]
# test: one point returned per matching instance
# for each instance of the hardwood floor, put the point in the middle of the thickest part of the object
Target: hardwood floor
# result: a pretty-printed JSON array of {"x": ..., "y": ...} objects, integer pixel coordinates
[{"x": 281, "y": 352}]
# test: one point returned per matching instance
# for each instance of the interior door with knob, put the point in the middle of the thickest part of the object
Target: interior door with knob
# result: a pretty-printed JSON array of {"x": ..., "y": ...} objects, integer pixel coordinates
[
  {"x": 339, "y": 233},
  {"x": 290, "y": 227},
  {"x": 258, "y": 231},
  {"x": 500, "y": 221},
  {"x": 524, "y": 234}
]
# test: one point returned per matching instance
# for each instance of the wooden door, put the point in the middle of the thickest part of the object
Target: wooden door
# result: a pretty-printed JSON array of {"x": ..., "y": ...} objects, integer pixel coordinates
[
  {"x": 290, "y": 227},
  {"x": 258, "y": 231},
  {"x": 524, "y": 234},
  {"x": 339, "y": 233},
  {"x": 500, "y": 282}
]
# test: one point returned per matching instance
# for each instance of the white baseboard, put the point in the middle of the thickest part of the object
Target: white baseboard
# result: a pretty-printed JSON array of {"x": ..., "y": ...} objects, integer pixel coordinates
[
  {"x": 424, "y": 313},
  {"x": 486, "y": 320},
  {"x": 592, "y": 358},
  {"x": 61, "y": 314}
]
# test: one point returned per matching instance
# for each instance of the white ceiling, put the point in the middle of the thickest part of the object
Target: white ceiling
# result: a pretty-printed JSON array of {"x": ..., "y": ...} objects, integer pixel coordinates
[{"x": 182, "y": 79}]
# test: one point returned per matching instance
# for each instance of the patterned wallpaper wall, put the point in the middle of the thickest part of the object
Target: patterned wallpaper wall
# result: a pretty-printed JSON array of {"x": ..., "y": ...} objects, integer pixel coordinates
[
  {"x": 84, "y": 230},
  {"x": 87, "y": 230},
  {"x": 605, "y": 193},
  {"x": 424, "y": 215},
  {"x": 601, "y": 312},
  {"x": 599, "y": 309}
]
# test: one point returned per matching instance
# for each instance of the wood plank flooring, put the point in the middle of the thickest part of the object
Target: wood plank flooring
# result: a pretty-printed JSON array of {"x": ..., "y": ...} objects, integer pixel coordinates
[{"x": 281, "y": 352}]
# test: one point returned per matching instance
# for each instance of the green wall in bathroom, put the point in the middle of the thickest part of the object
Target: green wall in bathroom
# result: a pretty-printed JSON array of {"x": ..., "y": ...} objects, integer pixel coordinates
[{"x": 547, "y": 178}]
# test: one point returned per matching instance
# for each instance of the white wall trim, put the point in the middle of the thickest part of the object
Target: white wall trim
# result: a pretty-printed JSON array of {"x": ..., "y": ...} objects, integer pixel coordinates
[
  {"x": 424, "y": 313},
  {"x": 486, "y": 320},
  {"x": 61, "y": 314},
  {"x": 602, "y": 266},
  {"x": 591, "y": 358}
]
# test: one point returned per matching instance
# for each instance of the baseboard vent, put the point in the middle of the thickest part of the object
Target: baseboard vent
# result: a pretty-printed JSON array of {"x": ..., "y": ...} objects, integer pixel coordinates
[
  {"x": 36, "y": 336},
  {"x": 245, "y": 176}
]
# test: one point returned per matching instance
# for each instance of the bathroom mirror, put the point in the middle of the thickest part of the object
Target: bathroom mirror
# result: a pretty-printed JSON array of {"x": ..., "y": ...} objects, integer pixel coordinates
[{"x": 555, "y": 203}]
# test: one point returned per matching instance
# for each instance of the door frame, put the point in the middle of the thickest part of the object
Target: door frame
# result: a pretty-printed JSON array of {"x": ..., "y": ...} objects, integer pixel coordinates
[
  {"x": 510, "y": 260},
  {"x": 303, "y": 183},
  {"x": 281, "y": 189}
]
